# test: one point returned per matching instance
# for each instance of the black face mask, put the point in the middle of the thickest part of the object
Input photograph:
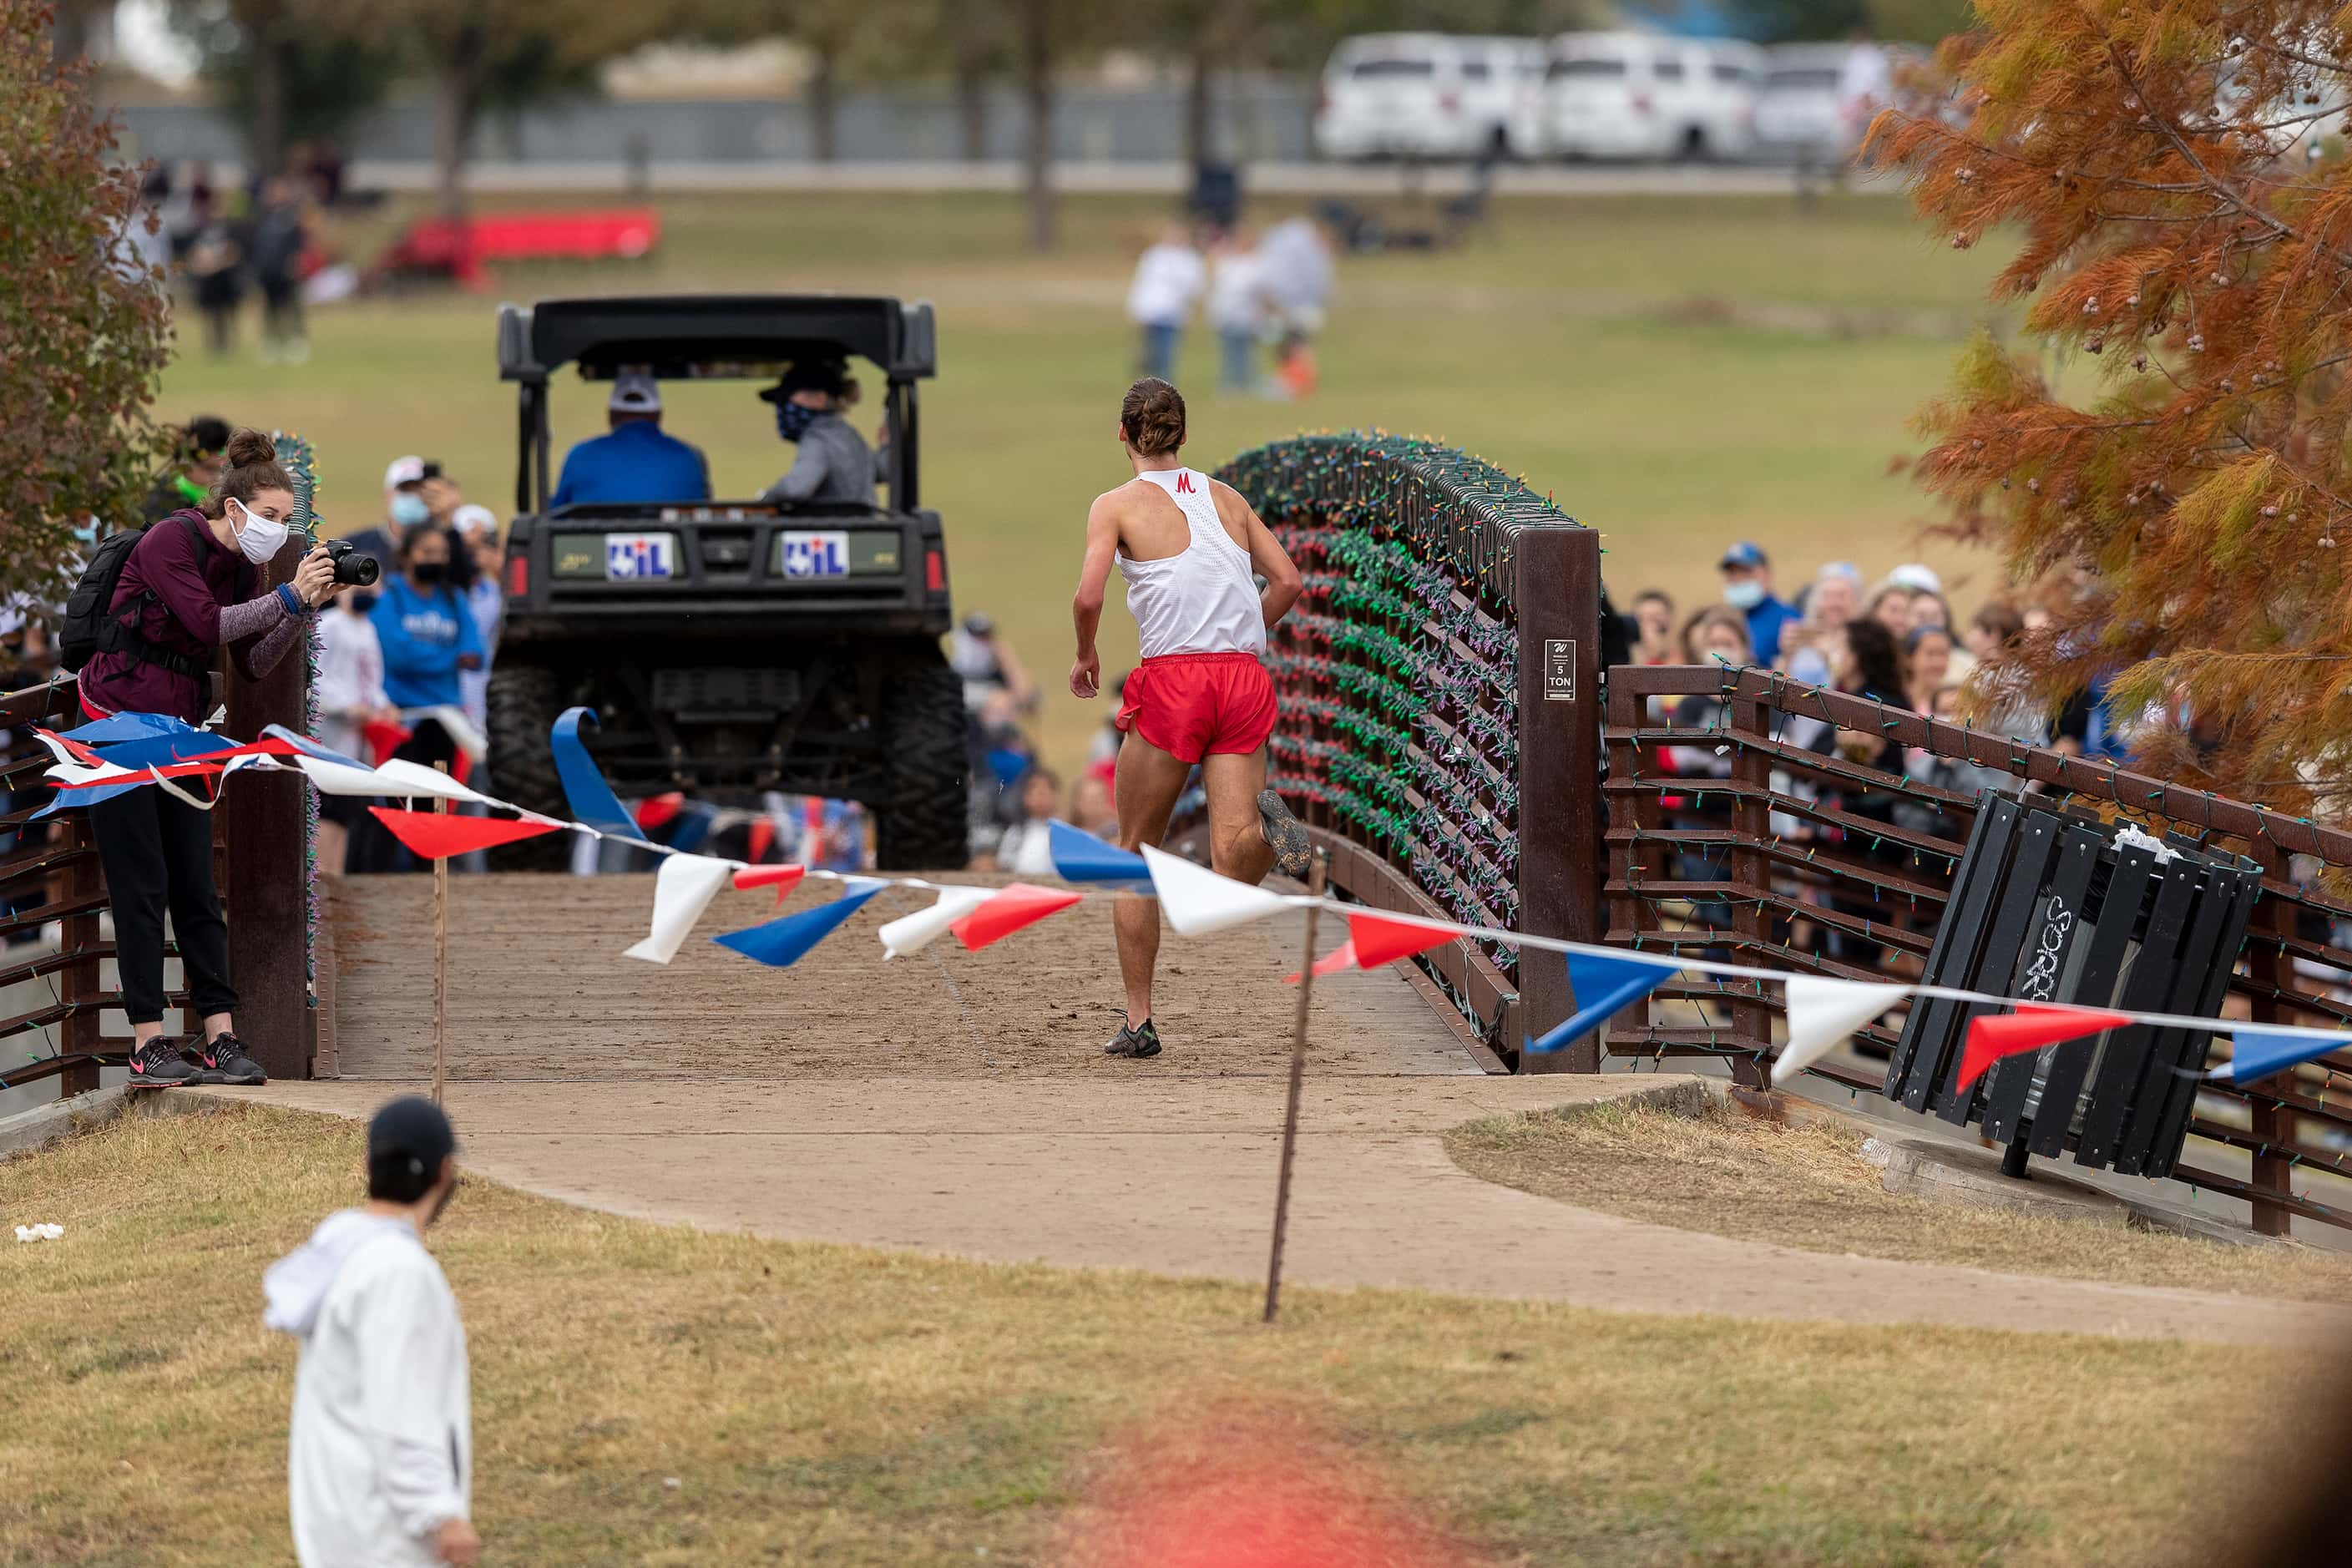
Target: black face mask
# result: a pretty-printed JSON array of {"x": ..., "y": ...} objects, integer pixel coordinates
[
  {"x": 793, "y": 420},
  {"x": 430, "y": 573}
]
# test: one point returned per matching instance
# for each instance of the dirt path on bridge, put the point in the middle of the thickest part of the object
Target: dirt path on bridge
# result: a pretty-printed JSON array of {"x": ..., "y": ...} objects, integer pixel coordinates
[{"x": 846, "y": 1100}]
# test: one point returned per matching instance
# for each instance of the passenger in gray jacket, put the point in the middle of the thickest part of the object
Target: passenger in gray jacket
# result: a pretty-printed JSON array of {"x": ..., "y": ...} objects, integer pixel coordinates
[{"x": 834, "y": 462}]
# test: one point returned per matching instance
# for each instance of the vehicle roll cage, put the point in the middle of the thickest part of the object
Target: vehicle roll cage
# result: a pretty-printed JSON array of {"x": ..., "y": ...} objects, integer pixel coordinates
[{"x": 707, "y": 337}]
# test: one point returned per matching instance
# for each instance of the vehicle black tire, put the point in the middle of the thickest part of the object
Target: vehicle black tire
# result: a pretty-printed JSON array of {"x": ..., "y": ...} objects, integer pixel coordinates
[
  {"x": 1694, "y": 149},
  {"x": 525, "y": 699},
  {"x": 924, "y": 823}
]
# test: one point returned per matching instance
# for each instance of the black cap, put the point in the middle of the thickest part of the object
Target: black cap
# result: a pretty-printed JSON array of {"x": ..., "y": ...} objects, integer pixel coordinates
[
  {"x": 827, "y": 375},
  {"x": 205, "y": 436},
  {"x": 411, "y": 1135}
]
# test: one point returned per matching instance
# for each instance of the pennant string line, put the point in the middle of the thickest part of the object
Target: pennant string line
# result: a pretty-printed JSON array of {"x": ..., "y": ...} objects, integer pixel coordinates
[{"x": 152, "y": 773}]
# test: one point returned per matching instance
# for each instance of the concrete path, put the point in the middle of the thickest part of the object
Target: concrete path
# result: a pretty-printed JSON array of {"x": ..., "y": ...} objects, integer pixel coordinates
[{"x": 1175, "y": 1173}]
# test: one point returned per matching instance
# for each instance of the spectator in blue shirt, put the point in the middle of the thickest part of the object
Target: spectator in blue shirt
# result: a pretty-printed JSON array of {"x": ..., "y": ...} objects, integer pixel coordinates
[
  {"x": 1748, "y": 588},
  {"x": 638, "y": 461},
  {"x": 428, "y": 633}
]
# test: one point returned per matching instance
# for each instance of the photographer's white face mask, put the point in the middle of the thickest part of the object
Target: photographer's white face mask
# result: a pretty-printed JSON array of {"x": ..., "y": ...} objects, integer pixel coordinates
[{"x": 259, "y": 537}]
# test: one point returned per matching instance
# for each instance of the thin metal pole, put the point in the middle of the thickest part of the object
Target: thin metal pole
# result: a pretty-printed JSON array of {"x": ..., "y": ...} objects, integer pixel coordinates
[
  {"x": 440, "y": 960},
  {"x": 1298, "y": 1076}
]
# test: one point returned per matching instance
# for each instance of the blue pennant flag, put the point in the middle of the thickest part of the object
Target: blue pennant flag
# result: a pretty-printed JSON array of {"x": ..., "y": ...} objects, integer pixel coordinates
[
  {"x": 1080, "y": 856},
  {"x": 782, "y": 942},
  {"x": 591, "y": 798},
  {"x": 2260, "y": 1052},
  {"x": 133, "y": 727},
  {"x": 158, "y": 750},
  {"x": 1602, "y": 986}
]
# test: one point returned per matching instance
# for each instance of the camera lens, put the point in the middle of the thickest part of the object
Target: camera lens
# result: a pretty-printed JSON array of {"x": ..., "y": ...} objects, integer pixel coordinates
[{"x": 359, "y": 571}]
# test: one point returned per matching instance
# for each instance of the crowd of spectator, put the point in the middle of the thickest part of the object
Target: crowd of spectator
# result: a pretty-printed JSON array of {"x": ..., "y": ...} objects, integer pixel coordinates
[
  {"x": 1265, "y": 296},
  {"x": 262, "y": 242},
  {"x": 1013, "y": 795}
]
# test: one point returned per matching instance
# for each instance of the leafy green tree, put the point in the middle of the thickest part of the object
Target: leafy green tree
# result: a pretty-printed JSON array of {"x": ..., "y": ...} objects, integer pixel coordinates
[
  {"x": 285, "y": 83},
  {"x": 87, "y": 324}
]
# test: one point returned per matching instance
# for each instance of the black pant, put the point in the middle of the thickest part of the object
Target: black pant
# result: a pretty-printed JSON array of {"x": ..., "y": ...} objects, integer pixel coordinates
[{"x": 155, "y": 851}]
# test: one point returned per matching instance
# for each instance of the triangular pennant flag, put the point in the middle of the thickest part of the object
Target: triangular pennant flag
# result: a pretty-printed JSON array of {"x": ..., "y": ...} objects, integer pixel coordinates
[
  {"x": 1603, "y": 986},
  {"x": 1378, "y": 940},
  {"x": 1197, "y": 901},
  {"x": 435, "y": 836},
  {"x": 657, "y": 812},
  {"x": 2258, "y": 1053},
  {"x": 1824, "y": 1012},
  {"x": 683, "y": 888},
  {"x": 1080, "y": 856},
  {"x": 344, "y": 778},
  {"x": 1340, "y": 957},
  {"x": 783, "y": 878},
  {"x": 151, "y": 750},
  {"x": 912, "y": 933},
  {"x": 382, "y": 737},
  {"x": 304, "y": 746},
  {"x": 1998, "y": 1035},
  {"x": 410, "y": 779},
  {"x": 131, "y": 726},
  {"x": 585, "y": 788},
  {"x": 780, "y": 943},
  {"x": 1014, "y": 905}
]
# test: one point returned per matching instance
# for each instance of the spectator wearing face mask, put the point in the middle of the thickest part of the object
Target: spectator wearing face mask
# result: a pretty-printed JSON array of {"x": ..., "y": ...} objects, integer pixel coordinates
[
  {"x": 477, "y": 530},
  {"x": 429, "y": 639},
  {"x": 1748, "y": 588},
  {"x": 404, "y": 508}
]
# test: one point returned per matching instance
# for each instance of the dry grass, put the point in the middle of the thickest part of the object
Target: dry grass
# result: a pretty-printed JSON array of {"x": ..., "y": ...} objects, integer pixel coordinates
[
  {"x": 827, "y": 1404},
  {"x": 1805, "y": 1184}
]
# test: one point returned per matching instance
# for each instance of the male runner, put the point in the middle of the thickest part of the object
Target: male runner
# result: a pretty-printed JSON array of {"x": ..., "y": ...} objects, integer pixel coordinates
[{"x": 1187, "y": 546}]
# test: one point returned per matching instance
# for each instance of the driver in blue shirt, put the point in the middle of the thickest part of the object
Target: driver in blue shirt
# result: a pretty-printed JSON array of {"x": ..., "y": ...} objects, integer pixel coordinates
[{"x": 638, "y": 460}]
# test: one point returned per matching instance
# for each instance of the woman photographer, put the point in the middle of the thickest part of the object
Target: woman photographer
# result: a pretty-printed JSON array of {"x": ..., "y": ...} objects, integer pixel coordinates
[{"x": 189, "y": 588}]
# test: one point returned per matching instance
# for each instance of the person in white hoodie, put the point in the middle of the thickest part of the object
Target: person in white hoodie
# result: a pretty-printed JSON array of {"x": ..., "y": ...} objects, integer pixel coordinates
[{"x": 380, "y": 1459}]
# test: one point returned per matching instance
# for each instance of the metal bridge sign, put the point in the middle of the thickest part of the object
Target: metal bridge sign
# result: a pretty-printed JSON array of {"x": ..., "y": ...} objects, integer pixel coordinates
[{"x": 1559, "y": 670}]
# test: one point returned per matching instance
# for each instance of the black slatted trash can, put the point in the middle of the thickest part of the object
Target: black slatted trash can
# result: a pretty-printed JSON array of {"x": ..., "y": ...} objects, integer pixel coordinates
[{"x": 2050, "y": 907}]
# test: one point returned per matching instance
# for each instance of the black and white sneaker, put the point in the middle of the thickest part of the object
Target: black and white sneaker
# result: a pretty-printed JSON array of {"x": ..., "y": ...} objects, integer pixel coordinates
[
  {"x": 158, "y": 1064},
  {"x": 1137, "y": 1041},
  {"x": 226, "y": 1062},
  {"x": 1285, "y": 834}
]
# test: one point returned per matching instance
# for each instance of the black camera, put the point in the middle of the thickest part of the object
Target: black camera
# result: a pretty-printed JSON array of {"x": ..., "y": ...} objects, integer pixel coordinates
[{"x": 351, "y": 567}]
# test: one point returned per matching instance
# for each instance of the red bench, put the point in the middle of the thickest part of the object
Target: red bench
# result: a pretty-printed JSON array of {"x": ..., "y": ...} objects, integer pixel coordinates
[{"x": 462, "y": 248}]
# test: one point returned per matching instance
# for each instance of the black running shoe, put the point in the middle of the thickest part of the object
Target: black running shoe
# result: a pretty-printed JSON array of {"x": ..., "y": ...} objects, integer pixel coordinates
[
  {"x": 226, "y": 1062},
  {"x": 1137, "y": 1041},
  {"x": 1287, "y": 836},
  {"x": 158, "y": 1064}
]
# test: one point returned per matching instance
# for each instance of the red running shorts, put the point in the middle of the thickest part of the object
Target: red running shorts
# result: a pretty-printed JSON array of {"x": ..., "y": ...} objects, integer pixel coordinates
[{"x": 1192, "y": 705}]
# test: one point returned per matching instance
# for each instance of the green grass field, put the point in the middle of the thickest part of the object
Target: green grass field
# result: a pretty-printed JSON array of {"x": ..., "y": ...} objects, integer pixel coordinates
[
  {"x": 1678, "y": 373},
  {"x": 653, "y": 1394}
]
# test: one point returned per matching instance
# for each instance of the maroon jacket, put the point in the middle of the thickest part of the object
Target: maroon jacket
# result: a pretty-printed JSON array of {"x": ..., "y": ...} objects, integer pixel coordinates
[{"x": 193, "y": 580}]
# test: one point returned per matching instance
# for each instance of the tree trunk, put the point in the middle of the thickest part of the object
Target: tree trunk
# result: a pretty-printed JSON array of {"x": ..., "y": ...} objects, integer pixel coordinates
[
  {"x": 266, "y": 138},
  {"x": 1037, "y": 89},
  {"x": 971, "y": 107},
  {"x": 456, "y": 102},
  {"x": 70, "y": 32},
  {"x": 1197, "y": 150},
  {"x": 823, "y": 107}
]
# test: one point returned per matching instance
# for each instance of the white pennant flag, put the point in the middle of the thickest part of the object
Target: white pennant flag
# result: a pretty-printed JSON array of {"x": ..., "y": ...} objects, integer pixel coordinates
[
  {"x": 912, "y": 933},
  {"x": 335, "y": 778},
  {"x": 1822, "y": 1013},
  {"x": 683, "y": 889},
  {"x": 408, "y": 778},
  {"x": 1198, "y": 900}
]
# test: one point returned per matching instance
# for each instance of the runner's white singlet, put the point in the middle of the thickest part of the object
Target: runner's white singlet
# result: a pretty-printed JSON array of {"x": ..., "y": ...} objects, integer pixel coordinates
[{"x": 1204, "y": 598}]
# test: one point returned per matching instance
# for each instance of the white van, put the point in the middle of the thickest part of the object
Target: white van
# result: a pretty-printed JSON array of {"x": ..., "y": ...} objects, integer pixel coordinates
[
  {"x": 1423, "y": 95},
  {"x": 1641, "y": 96}
]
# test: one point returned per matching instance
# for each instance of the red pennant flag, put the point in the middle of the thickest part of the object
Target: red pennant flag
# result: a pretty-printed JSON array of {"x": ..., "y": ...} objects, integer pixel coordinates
[
  {"x": 1340, "y": 957},
  {"x": 783, "y": 878},
  {"x": 763, "y": 835},
  {"x": 1017, "y": 904},
  {"x": 1378, "y": 941},
  {"x": 433, "y": 835},
  {"x": 267, "y": 746},
  {"x": 1998, "y": 1035},
  {"x": 660, "y": 810},
  {"x": 384, "y": 736}
]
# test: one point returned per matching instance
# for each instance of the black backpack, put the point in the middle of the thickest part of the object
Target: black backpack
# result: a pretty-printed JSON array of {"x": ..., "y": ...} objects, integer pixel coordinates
[{"x": 89, "y": 626}]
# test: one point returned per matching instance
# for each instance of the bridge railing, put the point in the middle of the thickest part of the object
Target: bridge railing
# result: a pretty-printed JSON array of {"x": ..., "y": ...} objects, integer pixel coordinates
[
  {"x": 1439, "y": 689},
  {"x": 1736, "y": 827}
]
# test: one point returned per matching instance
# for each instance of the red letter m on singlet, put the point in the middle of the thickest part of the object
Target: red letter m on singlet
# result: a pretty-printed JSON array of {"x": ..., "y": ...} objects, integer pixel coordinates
[{"x": 1184, "y": 481}]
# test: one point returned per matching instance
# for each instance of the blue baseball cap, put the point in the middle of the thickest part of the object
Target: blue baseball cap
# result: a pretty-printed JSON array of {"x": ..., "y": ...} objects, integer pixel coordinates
[{"x": 1747, "y": 552}]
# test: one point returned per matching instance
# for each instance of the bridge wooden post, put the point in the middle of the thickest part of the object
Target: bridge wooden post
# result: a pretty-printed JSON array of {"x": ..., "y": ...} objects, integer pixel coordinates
[
  {"x": 1557, "y": 603},
  {"x": 267, "y": 891}
]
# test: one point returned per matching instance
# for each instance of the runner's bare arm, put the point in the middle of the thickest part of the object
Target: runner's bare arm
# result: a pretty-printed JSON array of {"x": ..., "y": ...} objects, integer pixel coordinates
[
  {"x": 1086, "y": 609},
  {"x": 1270, "y": 561}
]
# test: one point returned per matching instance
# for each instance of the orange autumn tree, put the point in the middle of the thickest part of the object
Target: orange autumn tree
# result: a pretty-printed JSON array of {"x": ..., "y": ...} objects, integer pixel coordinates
[{"x": 2173, "y": 174}]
